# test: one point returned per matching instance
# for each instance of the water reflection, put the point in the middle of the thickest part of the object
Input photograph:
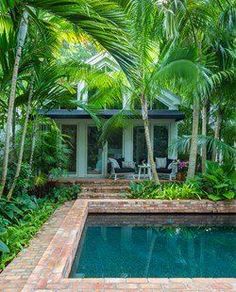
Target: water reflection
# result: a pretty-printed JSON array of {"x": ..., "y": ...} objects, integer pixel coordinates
[{"x": 132, "y": 251}]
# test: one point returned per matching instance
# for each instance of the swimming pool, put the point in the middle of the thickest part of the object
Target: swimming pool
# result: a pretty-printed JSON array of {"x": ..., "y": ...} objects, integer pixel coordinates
[{"x": 156, "y": 246}]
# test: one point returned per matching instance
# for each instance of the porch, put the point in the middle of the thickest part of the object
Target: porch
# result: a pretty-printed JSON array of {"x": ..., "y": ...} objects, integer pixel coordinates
[{"x": 89, "y": 159}]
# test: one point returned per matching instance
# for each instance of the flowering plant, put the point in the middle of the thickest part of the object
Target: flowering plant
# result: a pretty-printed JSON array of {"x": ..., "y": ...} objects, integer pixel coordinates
[{"x": 182, "y": 166}]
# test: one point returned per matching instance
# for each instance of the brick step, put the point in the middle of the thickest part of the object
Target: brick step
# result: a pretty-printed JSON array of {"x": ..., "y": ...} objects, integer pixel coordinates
[
  {"x": 90, "y": 181},
  {"x": 105, "y": 189},
  {"x": 105, "y": 183},
  {"x": 90, "y": 195}
]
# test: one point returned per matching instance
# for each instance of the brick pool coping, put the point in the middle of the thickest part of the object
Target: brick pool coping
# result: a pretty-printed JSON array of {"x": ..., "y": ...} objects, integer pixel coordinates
[{"x": 51, "y": 272}]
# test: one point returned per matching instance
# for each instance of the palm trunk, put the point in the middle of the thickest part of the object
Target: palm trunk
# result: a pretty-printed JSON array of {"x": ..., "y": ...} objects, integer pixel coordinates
[
  {"x": 14, "y": 131},
  {"x": 32, "y": 148},
  {"x": 204, "y": 134},
  {"x": 217, "y": 134},
  {"x": 194, "y": 141},
  {"x": 20, "y": 43},
  {"x": 21, "y": 152},
  {"x": 148, "y": 139}
]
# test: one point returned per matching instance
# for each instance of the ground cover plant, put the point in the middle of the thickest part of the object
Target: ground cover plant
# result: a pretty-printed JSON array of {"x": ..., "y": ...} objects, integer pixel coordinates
[{"x": 22, "y": 218}]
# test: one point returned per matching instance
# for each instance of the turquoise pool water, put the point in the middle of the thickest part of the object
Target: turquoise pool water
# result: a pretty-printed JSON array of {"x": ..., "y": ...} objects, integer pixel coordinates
[{"x": 162, "y": 249}]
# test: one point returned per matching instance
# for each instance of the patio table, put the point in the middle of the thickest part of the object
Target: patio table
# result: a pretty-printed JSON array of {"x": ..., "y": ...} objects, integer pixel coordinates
[{"x": 144, "y": 170}]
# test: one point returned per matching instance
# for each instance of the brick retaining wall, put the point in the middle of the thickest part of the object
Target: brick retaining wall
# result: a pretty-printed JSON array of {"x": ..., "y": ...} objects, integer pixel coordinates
[{"x": 161, "y": 206}]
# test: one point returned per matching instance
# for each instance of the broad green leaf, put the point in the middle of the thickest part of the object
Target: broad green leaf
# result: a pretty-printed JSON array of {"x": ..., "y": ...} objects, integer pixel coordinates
[
  {"x": 214, "y": 197},
  {"x": 3, "y": 247}
]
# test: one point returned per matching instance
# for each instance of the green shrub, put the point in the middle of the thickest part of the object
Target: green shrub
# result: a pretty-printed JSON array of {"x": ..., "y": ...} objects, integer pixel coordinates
[
  {"x": 11, "y": 212},
  {"x": 65, "y": 193},
  {"x": 17, "y": 236},
  {"x": 3, "y": 247},
  {"x": 21, "y": 218},
  {"x": 168, "y": 191},
  {"x": 218, "y": 183}
]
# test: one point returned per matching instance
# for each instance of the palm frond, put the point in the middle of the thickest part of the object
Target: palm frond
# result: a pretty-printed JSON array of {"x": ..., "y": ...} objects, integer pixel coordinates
[
  {"x": 118, "y": 121},
  {"x": 183, "y": 145}
]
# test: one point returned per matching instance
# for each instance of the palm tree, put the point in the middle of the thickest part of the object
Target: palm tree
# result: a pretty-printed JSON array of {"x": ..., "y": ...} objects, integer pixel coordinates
[
  {"x": 99, "y": 19},
  {"x": 160, "y": 64},
  {"x": 164, "y": 59},
  {"x": 200, "y": 23},
  {"x": 220, "y": 39},
  {"x": 50, "y": 85}
]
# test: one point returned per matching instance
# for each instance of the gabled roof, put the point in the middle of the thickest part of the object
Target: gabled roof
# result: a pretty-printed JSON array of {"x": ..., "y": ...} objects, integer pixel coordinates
[
  {"x": 103, "y": 59},
  {"x": 169, "y": 99}
]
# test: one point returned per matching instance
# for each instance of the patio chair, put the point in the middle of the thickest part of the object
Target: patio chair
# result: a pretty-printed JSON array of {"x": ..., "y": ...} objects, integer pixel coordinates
[
  {"x": 120, "y": 168},
  {"x": 166, "y": 167}
]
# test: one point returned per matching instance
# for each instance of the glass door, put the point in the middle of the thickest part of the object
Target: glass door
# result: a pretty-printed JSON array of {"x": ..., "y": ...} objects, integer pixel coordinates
[
  {"x": 70, "y": 132},
  {"x": 160, "y": 141},
  {"x": 94, "y": 152},
  {"x": 139, "y": 145},
  {"x": 115, "y": 142}
]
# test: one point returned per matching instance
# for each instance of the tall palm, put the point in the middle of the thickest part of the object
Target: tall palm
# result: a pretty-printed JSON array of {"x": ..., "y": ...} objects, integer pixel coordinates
[
  {"x": 199, "y": 23},
  {"x": 99, "y": 19},
  {"x": 214, "y": 40},
  {"x": 48, "y": 86},
  {"x": 220, "y": 40},
  {"x": 161, "y": 58}
]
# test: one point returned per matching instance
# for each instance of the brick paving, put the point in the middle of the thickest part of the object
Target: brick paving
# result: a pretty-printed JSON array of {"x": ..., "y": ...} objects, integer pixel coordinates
[{"x": 46, "y": 264}]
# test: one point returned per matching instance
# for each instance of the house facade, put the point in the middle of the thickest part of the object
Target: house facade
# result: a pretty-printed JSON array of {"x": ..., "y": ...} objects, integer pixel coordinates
[{"x": 89, "y": 158}]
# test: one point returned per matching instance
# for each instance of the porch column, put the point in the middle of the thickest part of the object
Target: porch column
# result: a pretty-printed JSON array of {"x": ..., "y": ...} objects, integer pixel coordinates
[
  {"x": 82, "y": 149},
  {"x": 128, "y": 143},
  {"x": 173, "y": 136}
]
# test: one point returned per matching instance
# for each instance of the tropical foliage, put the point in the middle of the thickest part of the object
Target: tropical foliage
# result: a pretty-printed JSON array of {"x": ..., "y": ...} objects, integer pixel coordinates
[
  {"x": 148, "y": 190},
  {"x": 218, "y": 182},
  {"x": 24, "y": 216},
  {"x": 180, "y": 46}
]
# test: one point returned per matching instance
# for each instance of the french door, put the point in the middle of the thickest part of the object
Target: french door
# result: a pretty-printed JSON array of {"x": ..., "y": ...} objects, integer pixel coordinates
[
  {"x": 94, "y": 152},
  {"x": 70, "y": 132}
]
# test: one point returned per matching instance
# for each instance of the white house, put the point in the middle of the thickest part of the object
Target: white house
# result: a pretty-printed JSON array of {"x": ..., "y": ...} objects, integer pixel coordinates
[{"x": 88, "y": 158}]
